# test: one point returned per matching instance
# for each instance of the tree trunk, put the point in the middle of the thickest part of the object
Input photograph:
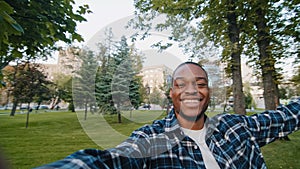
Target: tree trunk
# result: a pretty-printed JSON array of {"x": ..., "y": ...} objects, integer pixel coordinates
[
  {"x": 14, "y": 108},
  {"x": 267, "y": 62},
  {"x": 119, "y": 113},
  {"x": 235, "y": 65},
  {"x": 119, "y": 116},
  {"x": 28, "y": 112},
  {"x": 237, "y": 87},
  {"x": 85, "y": 110}
]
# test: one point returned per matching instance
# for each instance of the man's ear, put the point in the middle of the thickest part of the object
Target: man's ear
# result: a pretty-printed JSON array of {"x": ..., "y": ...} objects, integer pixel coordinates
[{"x": 170, "y": 92}]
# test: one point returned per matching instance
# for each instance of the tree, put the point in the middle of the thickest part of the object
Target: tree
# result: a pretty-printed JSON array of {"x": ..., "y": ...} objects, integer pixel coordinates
[
  {"x": 221, "y": 24},
  {"x": 283, "y": 93},
  {"x": 165, "y": 88},
  {"x": 248, "y": 97},
  {"x": 117, "y": 82},
  {"x": 231, "y": 24},
  {"x": 64, "y": 89},
  {"x": 43, "y": 22},
  {"x": 136, "y": 91},
  {"x": 156, "y": 97},
  {"x": 84, "y": 81},
  {"x": 104, "y": 74},
  {"x": 125, "y": 87},
  {"x": 28, "y": 81},
  {"x": 45, "y": 90},
  {"x": 275, "y": 25}
]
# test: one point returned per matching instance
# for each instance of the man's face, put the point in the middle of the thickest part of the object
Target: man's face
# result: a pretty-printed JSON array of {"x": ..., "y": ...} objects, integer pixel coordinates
[{"x": 190, "y": 92}]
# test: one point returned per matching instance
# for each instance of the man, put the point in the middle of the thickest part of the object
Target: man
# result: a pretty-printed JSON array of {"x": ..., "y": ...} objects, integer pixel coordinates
[{"x": 187, "y": 138}]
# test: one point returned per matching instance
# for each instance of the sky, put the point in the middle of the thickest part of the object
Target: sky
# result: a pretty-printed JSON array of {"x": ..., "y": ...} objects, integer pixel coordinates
[
  {"x": 114, "y": 13},
  {"x": 104, "y": 13}
]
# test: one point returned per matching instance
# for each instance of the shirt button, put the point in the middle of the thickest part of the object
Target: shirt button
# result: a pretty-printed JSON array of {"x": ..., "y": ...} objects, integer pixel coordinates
[{"x": 195, "y": 147}]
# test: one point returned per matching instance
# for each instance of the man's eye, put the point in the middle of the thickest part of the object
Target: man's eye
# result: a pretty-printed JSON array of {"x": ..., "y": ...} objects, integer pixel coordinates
[
  {"x": 180, "y": 85},
  {"x": 201, "y": 84}
]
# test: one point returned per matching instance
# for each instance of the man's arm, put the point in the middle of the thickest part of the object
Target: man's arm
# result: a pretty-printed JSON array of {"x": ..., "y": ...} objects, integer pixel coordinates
[
  {"x": 271, "y": 124},
  {"x": 95, "y": 159},
  {"x": 129, "y": 154}
]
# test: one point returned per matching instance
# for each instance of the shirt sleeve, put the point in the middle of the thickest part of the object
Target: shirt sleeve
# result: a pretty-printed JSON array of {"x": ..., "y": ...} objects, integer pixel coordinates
[
  {"x": 126, "y": 155},
  {"x": 271, "y": 124}
]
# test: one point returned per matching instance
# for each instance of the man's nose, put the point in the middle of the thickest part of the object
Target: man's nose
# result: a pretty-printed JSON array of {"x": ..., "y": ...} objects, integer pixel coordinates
[{"x": 191, "y": 89}]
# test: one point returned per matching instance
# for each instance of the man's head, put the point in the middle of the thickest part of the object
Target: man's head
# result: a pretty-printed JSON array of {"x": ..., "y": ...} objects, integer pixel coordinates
[{"x": 190, "y": 92}]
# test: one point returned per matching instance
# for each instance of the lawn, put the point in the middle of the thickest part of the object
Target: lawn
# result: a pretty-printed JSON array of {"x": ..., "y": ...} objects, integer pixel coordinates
[{"x": 54, "y": 135}]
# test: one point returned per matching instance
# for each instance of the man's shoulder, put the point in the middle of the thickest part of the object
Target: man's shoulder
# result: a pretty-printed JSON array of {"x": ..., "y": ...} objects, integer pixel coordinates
[{"x": 158, "y": 126}]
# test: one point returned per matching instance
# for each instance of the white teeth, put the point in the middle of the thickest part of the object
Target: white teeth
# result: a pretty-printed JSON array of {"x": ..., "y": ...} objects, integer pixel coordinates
[{"x": 190, "y": 101}]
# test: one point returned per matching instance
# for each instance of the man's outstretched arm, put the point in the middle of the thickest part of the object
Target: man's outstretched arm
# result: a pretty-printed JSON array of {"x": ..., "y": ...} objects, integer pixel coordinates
[{"x": 93, "y": 158}]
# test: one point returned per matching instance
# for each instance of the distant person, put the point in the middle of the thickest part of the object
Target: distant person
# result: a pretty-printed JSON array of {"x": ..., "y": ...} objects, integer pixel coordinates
[{"x": 187, "y": 138}]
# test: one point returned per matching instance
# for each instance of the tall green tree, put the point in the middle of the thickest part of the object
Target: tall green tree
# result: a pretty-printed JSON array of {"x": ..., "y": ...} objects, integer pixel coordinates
[
  {"x": 118, "y": 86},
  {"x": 84, "y": 81},
  {"x": 124, "y": 85},
  {"x": 105, "y": 74},
  {"x": 43, "y": 23},
  {"x": 271, "y": 39}
]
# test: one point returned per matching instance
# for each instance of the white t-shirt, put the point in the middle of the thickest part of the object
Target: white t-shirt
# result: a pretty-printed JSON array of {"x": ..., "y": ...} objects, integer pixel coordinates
[{"x": 199, "y": 137}]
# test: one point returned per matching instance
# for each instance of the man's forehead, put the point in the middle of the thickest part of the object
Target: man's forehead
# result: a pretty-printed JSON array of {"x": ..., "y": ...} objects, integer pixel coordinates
[{"x": 189, "y": 70}]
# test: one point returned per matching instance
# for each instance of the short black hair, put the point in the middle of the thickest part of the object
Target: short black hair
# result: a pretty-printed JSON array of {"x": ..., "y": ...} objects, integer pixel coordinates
[{"x": 188, "y": 63}]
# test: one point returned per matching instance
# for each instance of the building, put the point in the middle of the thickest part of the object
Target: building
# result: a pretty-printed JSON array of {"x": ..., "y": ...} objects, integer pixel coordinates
[
  {"x": 67, "y": 63},
  {"x": 156, "y": 76}
]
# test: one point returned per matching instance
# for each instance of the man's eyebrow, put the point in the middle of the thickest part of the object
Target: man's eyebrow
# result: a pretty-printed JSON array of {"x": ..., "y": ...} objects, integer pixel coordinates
[
  {"x": 201, "y": 78},
  {"x": 196, "y": 78},
  {"x": 178, "y": 78}
]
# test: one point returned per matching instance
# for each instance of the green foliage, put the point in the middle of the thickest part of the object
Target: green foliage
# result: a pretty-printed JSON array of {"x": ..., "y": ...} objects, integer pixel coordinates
[
  {"x": 64, "y": 89},
  {"x": 117, "y": 83},
  {"x": 249, "y": 102},
  {"x": 8, "y": 25},
  {"x": 156, "y": 97},
  {"x": 262, "y": 30},
  {"x": 43, "y": 22},
  {"x": 136, "y": 91},
  {"x": 84, "y": 80},
  {"x": 28, "y": 83},
  {"x": 283, "y": 93},
  {"x": 296, "y": 81}
]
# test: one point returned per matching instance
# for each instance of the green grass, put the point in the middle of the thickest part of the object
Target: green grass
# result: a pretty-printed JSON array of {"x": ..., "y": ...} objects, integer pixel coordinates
[
  {"x": 283, "y": 154},
  {"x": 49, "y": 137},
  {"x": 54, "y": 135}
]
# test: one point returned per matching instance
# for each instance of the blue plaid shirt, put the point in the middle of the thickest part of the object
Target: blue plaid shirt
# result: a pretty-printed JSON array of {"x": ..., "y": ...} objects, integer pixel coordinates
[{"x": 234, "y": 141}]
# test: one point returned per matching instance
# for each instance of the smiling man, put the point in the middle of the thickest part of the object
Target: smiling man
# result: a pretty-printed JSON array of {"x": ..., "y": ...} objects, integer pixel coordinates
[
  {"x": 187, "y": 138},
  {"x": 190, "y": 95}
]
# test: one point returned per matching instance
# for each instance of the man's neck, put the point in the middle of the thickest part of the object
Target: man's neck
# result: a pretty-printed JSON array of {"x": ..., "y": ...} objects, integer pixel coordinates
[{"x": 192, "y": 125}]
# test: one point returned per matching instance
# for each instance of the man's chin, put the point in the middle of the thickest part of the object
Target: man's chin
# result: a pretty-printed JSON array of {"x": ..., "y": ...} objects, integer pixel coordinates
[
  {"x": 194, "y": 114},
  {"x": 191, "y": 118}
]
